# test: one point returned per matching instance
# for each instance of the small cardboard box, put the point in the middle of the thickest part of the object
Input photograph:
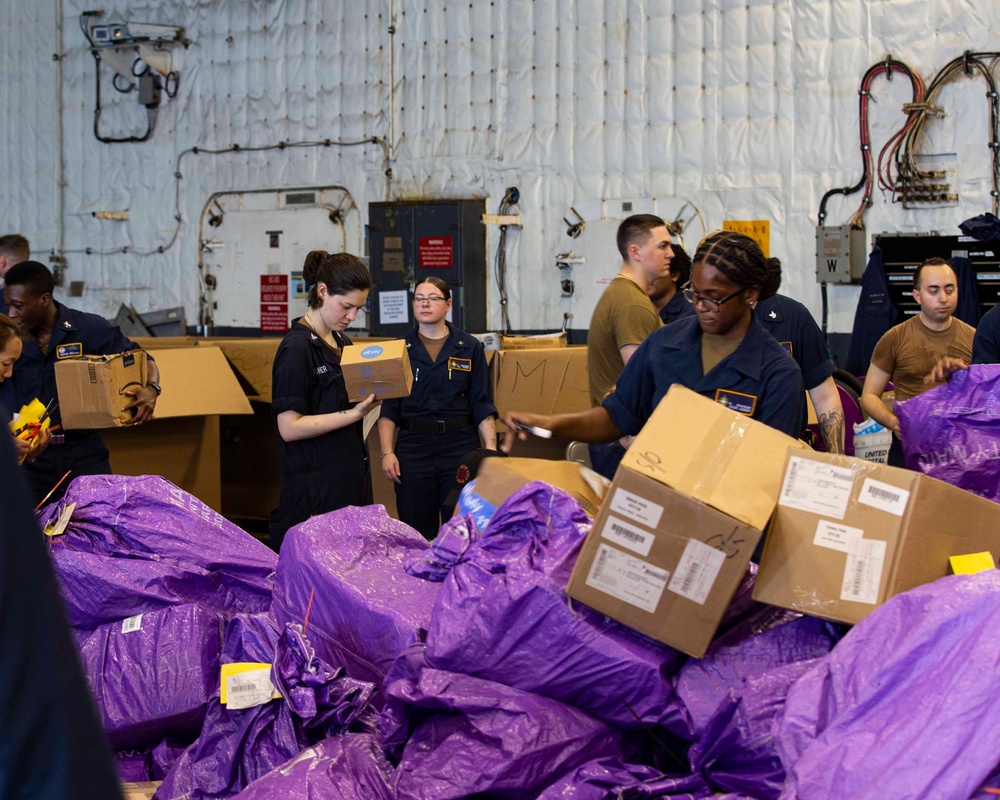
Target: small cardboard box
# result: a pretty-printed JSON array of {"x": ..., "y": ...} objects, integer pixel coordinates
[
  {"x": 382, "y": 369},
  {"x": 849, "y": 534},
  {"x": 682, "y": 518},
  {"x": 92, "y": 389},
  {"x": 499, "y": 478}
]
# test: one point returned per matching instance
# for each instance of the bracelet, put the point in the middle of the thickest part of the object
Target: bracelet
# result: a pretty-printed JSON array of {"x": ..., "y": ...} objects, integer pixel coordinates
[{"x": 391, "y": 452}]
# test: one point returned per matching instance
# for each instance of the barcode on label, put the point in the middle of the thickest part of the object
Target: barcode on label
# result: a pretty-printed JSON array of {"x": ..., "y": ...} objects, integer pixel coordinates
[
  {"x": 689, "y": 578},
  {"x": 132, "y": 624},
  {"x": 882, "y": 494},
  {"x": 602, "y": 559},
  {"x": 632, "y": 536},
  {"x": 628, "y": 536},
  {"x": 242, "y": 688}
]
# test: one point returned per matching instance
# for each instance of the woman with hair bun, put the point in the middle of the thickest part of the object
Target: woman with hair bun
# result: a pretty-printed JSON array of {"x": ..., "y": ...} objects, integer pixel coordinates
[
  {"x": 448, "y": 411},
  {"x": 723, "y": 353},
  {"x": 324, "y": 459},
  {"x": 11, "y": 345}
]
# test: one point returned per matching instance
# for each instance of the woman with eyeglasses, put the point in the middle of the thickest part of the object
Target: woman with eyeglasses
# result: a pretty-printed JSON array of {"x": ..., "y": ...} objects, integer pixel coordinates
[
  {"x": 449, "y": 410},
  {"x": 324, "y": 459},
  {"x": 10, "y": 351},
  {"x": 723, "y": 353}
]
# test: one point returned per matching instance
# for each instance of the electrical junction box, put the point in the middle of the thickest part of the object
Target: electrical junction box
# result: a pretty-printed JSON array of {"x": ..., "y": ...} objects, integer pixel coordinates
[
  {"x": 840, "y": 254},
  {"x": 409, "y": 240}
]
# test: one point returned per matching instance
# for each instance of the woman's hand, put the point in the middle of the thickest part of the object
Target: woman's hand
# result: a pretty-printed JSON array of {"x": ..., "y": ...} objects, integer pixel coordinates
[{"x": 390, "y": 467}]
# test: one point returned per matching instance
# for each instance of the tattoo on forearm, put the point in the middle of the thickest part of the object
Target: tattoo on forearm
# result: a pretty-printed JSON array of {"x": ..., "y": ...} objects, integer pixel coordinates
[{"x": 831, "y": 428}]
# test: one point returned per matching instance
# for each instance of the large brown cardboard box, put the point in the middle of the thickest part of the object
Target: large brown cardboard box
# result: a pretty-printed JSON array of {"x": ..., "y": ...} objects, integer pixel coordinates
[
  {"x": 548, "y": 381},
  {"x": 498, "y": 478},
  {"x": 181, "y": 443},
  {"x": 682, "y": 518},
  {"x": 849, "y": 534},
  {"x": 91, "y": 389},
  {"x": 381, "y": 368}
]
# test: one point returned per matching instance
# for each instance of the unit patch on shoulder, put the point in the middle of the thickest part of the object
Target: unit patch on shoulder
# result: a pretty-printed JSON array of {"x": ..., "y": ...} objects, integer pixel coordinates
[
  {"x": 71, "y": 350},
  {"x": 461, "y": 364},
  {"x": 737, "y": 401}
]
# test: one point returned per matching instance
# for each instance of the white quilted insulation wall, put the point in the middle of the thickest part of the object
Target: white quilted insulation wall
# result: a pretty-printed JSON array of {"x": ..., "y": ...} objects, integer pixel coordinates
[{"x": 746, "y": 109}]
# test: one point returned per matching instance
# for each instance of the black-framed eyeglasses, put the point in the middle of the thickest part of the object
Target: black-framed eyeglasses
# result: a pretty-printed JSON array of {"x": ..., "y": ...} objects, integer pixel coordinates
[
  {"x": 434, "y": 298},
  {"x": 694, "y": 298}
]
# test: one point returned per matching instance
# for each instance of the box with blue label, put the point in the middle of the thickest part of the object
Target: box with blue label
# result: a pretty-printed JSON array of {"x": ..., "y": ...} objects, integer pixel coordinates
[
  {"x": 379, "y": 368},
  {"x": 91, "y": 389},
  {"x": 682, "y": 518}
]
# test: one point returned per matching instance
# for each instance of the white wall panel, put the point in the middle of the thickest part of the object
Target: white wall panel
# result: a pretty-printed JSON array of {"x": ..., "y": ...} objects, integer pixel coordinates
[{"x": 748, "y": 109}]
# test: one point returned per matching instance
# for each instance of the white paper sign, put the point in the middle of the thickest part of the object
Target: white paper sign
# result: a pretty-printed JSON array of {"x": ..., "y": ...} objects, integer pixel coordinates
[
  {"x": 834, "y": 536},
  {"x": 696, "y": 571},
  {"x": 249, "y": 689},
  {"x": 816, "y": 487},
  {"x": 643, "y": 511},
  {"x": 393, "y": 307},
  {"x": 630, "y": 579},
  {"x": 884, "y": 496},
  {"x": 132, "y": 624},
  {"x": 863, "y": 571},
  {"x": 628, "y": 536}
]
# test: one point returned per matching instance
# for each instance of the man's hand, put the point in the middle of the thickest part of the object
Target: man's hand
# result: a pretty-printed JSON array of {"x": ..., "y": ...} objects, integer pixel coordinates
[
  {"x": 142, "y": 405},
  {"x": 944, "y": 368}
]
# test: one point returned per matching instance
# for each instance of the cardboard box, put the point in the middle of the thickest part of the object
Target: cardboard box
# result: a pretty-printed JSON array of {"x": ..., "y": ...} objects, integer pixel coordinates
[
  {"x": 181, "y": 443},
  {"x": 546, "y": 381},
  {"x": 382, "y": 369},
  {"x": 724, "y": 459},
  {"x": 92, "y": 389},
  {"x": 682, "y": 518},
  {"x": 543, "y": 341},
  {"x": 499, "y": 478},
  {"x": 849, "y": 534}
]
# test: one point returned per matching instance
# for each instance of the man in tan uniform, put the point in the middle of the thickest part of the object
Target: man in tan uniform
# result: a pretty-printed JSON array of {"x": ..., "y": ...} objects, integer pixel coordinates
[
  {"x": 625, "y": 316},
  {"x": 909, "y": 352}
]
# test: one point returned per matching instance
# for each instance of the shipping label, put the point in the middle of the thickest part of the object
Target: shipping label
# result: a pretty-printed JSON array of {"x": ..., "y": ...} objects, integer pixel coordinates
[
  {"x": 627, "y": 578},
  {"x": 816, "y": 487},
  {"x": 884, "y": 496},
  {"x": 696, "y": 571},
  {"x": 132, "y": 624},
  {"x": 834, "y": 536},
  {"x": 863, "y": 572},
  {"x": 636, "y": 508},
  {"x": 245, "y": 685},
  {"x": 628, "y": 536}
]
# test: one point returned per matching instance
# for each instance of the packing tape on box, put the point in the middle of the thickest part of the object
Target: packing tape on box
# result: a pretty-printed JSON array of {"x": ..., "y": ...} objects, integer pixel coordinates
[{"x": 729, "y": 434}]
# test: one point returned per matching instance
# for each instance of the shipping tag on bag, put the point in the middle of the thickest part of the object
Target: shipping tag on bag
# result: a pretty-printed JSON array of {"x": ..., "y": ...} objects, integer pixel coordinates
[
  {"x": 246, "y": 684},
  {"x": 971, "y": 563},
  {"x": 58, "y": 527}
]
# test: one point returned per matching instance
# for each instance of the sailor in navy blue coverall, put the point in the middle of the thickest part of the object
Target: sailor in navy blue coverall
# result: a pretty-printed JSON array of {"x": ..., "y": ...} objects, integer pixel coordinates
[
  {"x": 790, "y": 322},
  {"x": 748, "y": 370},
  {"x": 449, "y": 407},
  {"x": 55, "y": 332}
]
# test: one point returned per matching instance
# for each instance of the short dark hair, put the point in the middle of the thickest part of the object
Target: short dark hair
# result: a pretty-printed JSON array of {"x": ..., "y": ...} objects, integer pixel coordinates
[
  {"x": 740, "y": 259},
  {"x": 636, "y": 230},
  {"x": 341, "y": 272},
  {"x": 934, "y": 261},
  {"x": 437, "y": 283},
  {"x": 15, "y": 247},
  {"x": 680, "y": 265},
  {"x": 33, "y": 274}
]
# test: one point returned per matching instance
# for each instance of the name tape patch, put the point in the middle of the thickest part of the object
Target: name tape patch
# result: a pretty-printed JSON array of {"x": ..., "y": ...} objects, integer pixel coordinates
[
  {"x": 71, "y": 350},
  {"x": 737, "y": 401}
]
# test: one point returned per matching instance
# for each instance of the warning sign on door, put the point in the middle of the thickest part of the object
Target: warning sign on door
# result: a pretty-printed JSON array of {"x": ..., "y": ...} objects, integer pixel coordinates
[
  {"x": 273, "y": 303},
  {"x": 435, "y": 252}
]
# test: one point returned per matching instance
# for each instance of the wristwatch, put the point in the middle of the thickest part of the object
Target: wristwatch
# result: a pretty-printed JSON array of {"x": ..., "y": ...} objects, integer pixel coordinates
[{"x": 156, "y": 386}]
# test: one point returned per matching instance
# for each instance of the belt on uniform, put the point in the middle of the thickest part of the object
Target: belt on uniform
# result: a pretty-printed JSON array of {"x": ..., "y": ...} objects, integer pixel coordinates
[{"x": 421, "y": 425}]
